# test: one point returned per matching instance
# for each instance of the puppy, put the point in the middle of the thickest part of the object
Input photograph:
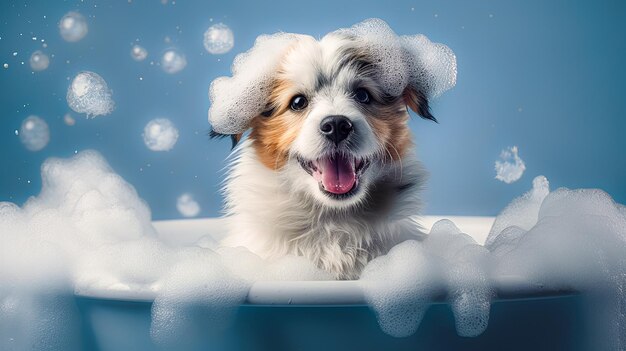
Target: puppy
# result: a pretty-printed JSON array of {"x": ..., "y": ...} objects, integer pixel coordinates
[{"x": 328, "y": 169}]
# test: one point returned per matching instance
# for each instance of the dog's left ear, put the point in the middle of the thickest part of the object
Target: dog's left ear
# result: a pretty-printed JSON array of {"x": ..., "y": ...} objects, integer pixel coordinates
[{"x": 418, "y": 102}]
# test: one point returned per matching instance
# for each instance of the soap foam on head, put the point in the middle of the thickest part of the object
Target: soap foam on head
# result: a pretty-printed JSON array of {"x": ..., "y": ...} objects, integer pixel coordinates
[{"x": 401, "y": 61}]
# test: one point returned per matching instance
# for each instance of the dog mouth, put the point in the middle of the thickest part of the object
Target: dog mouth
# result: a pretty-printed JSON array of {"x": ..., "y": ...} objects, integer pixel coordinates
[{"x": 337, "y": 174}]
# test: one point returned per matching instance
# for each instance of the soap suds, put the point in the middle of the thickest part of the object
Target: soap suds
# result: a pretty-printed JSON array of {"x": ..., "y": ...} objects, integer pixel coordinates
[
  {"x": 88, "y": 93},
  {"x": 510, "y": 167},
  {"x": 400, "y": 61}
]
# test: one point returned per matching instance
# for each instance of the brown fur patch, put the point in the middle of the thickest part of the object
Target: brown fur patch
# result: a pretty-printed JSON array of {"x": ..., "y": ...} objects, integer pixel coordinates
[
  {"x": 272, "y": 136},
  {"x": 390, "y": 125}
]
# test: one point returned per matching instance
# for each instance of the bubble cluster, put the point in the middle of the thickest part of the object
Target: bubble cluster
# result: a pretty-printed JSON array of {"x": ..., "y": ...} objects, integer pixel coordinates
[
  {"x": 187, "y": 205},
  {"x": 400, "y": 61},
  {"x": 219, "y": 39},
  {"x": 138, "y": 53},
  {"x": 160, "y": 134},
  {"x": 34, "y": 133},
  {"x": 39, "y": 61},
  {"x": 173, "y": 61},
  {"x": 73, "y": 26},
  {"x": 88, "y": 93},
  {"x": 510, "y": 167}
]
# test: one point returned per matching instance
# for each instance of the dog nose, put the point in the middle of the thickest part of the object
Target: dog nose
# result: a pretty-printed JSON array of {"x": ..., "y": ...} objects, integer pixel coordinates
[{"x": 336, "y": 128}]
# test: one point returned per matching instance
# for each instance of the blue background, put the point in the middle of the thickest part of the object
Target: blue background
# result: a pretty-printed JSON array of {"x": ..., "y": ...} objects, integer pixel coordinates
[{"x": 547, "y": 76}]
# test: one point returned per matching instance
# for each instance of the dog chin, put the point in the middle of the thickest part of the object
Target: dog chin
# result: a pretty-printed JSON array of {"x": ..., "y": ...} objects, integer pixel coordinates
[{"x": 338, "y": 180}]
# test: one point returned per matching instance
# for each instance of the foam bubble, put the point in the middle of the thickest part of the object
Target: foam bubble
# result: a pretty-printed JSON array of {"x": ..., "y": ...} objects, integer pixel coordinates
[
  {"x": 219, "y": 39},
  {"x": 69, "y": 120},
  {"x": 400, "y": 61},
  {"x": 510, "y": 167},
  {"x": 173, "y": 61},
  {"x": 39, "y": 61},
  {"x": 88, "y": 93},
  {"x": 160, "y": 134},
  {"x": 73, "y": 26},
  {"x": 138, "y": 53},
  {"x": 34, "y": 133},
  {"x": 187, "y": 206}
]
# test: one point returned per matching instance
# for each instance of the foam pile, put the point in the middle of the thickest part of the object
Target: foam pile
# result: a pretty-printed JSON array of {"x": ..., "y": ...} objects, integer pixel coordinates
[
  {"x": 401, "y": 285},
  {"x": 400, "y": 61},
  {"x": 88, "y": 230}
]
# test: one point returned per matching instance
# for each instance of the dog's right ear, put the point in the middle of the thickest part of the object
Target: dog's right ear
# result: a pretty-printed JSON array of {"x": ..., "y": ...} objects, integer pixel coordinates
[
  {"x": 236, "y": 100},
  {"x": 418, "y": 102}
]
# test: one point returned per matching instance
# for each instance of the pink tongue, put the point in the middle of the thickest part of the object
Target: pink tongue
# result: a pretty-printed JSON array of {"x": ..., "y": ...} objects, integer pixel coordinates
[{"x": 338, "y": 175}]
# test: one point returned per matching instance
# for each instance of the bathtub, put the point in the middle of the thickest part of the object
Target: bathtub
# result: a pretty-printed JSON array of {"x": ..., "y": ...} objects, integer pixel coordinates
[{"x": 332, "y": 315}]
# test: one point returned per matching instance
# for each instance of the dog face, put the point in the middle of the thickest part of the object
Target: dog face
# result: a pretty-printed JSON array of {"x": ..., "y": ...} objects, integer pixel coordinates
[
  {"x": 330, "y": 116},
  {"x": 330, "y": 127}
]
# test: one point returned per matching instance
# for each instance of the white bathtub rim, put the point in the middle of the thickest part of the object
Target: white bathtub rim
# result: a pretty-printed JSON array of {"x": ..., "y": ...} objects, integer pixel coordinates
[{"x": 188, "y": 231}]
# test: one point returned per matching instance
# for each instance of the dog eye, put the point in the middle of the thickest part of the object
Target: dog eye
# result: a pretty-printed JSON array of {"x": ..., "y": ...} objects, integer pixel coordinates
[
  {"x": 361, "y": 95},
  {"x": 299, "y": 102}
]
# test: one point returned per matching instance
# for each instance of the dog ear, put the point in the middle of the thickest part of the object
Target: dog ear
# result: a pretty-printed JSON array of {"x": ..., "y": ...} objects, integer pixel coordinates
[
  {"x": 234, "y": 138},
  {"x": 418, "y": 102},
  {"x": 409, "y": 66},
  {"x": 236, "y": 100}
]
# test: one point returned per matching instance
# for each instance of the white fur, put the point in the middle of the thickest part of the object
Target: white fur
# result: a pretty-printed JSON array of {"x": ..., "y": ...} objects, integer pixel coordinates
[{"x": 279, "y": 212}]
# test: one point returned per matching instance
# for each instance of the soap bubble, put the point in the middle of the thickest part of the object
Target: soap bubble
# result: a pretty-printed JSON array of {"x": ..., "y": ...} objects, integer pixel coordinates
[
  {"x": 39, "y": 61},
  {"x": 138, "y": 53},
  {"x": 187, "y": 206},
  {"x": 219, "y": 39},
  {"x": 69, "y": 120},
  {"x": 73, "y": 26},
  {"x": 510, "y": 167},
  {"x": 173, "y": 61},
  {"x": 34, "y": 133},
  {"x": 88, "y": 93},
  {"x": 160, "y": 134}
]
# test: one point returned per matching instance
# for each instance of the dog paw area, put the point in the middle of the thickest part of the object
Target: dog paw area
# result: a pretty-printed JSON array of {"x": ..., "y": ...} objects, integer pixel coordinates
[{"x": 184, "y": 175}]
